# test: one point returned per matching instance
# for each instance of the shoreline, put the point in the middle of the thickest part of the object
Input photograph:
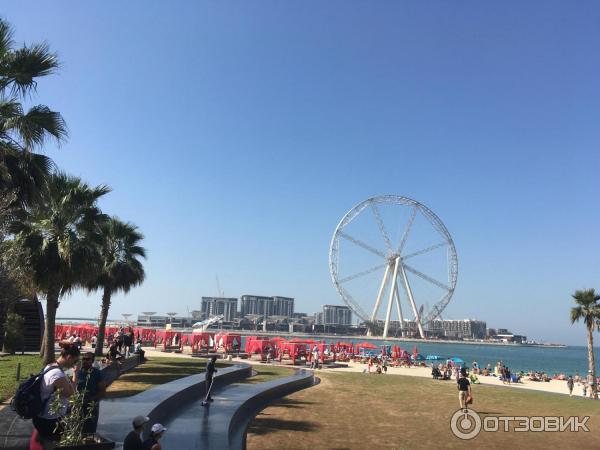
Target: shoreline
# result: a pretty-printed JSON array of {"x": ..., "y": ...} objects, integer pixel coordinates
[
  {"x": 552, "y": 386},
  {"x": 391, "y": 339}
]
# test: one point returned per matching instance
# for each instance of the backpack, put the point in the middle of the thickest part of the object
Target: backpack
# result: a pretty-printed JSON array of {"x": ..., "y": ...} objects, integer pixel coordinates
[{"x": 27, "y": 402}]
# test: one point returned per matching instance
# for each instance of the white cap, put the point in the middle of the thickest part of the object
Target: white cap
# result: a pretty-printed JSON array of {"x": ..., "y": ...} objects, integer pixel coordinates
[{"x": 158, "y": 428}]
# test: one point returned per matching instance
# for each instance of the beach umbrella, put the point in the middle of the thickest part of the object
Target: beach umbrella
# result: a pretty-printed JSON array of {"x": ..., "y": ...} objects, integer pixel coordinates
[
  {"x": 456, "y": 360},
  {"x": 367, "y": 345}
]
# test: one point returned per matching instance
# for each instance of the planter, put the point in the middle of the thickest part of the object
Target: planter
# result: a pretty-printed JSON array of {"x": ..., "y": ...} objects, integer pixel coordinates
[{"x": 92, "y": 443}]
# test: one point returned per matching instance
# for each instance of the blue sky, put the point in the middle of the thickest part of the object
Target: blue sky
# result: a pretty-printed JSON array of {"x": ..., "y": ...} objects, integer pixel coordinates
[{"x": 237, "y": 134}]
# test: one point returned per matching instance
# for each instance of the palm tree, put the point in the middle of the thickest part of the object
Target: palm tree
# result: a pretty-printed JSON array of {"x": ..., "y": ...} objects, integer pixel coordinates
[
  {"x": 588, "y": 310},
  {"x": 119, "y": 267},
  {"x": 22, "y": 170},
  {"x": 57, "y": 243}
]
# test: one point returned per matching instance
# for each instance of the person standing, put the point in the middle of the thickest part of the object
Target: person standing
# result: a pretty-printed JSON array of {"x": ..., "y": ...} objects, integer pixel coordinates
[
  {"x": 55, "y": 384},
  {"x": 89, "y": 380},
  {"x": 127, "y": 343},
  {"x": 208, "y": 378},
  {"x": 133, "y": 441},
  {"x": 591, "y": 382},
  {"x": 570, "y": 384},
  {"x": 464, "y": 389}
]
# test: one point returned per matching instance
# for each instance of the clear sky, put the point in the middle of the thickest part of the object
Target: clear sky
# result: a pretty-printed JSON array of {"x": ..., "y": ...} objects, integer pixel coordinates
[{"x": 237, "y": 134}]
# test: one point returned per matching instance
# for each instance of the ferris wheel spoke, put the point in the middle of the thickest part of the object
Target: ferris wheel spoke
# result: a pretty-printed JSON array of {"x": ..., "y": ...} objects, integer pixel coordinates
[
  {"x": 413, "y": 214},
  {"x": 381, "y": 226},
  {"x": 363, "y": 273},
  {"x": 352, "y": 303},
  {"x": 362, "y": 244},
  {"x": 426, "y": 277},
  {"x": 425, "y": 250}
]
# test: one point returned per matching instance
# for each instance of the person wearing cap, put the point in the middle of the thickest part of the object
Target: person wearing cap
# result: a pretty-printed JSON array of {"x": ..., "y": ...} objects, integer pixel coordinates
[
  {"x": 156, "y": 433},
  {"x": 133, "y": 441}
]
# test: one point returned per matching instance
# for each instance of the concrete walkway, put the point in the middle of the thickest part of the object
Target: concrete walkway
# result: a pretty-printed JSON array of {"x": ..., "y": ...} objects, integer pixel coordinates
[
  {"x": 222, "y": 424},
  {"x": 160, "y": 403}
]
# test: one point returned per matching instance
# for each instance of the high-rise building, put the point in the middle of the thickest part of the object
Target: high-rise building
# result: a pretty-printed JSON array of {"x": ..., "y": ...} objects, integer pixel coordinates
[
  {"x": 337, "y": 315},
  {"x": 256, "y": 304},
  {"x": 467, "y": 328},
  {"x": 283, "y": 306},
  {"x": 215, "y": 306},
  {"x": 269, "y": 306}
]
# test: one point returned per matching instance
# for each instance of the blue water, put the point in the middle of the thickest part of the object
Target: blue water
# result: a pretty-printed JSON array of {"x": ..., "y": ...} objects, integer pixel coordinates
[{"x": 568, "y": 360}]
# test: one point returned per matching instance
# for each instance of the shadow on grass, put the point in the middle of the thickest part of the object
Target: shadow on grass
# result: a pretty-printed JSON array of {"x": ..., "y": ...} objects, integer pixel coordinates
[
  {"x": 262, "y": 425},
  {"x": 291, "y": 403}
]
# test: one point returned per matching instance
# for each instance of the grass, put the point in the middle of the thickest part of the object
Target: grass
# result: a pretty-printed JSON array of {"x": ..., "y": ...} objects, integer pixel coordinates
[
  {"x": 8, "y": 370},
  {"x": 266, "y": 373},
  {"x": 357, "y": 411},
  {"x": 153, "y": 372}
]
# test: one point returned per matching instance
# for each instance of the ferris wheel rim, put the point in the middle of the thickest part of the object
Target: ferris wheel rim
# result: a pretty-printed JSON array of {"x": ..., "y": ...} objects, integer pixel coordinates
[{"x": 436, "y": 223}]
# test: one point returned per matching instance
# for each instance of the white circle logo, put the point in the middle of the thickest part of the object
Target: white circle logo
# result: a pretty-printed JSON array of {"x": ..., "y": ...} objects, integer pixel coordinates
[{"x": 465, "y": 424}]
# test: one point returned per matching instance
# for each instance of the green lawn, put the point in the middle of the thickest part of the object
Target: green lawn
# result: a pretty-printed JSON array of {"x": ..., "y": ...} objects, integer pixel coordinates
[
  {"x": 266, "y": 372},
  {"x": 8, "y": 370},
  {"x": 156, "y": 371},
  {"x": 358, "y": 411}
]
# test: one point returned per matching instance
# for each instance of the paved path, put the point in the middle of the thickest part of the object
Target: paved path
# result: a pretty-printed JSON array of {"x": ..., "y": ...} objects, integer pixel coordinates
[
  {"x": 158, "y": 403},
  {"x": 221, "y": 425}
]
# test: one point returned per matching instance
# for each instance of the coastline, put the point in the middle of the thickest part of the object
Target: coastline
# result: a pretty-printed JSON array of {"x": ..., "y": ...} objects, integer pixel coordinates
[
  {"x": 552, "y": 386},
  {"x": 392, "y": 339}
]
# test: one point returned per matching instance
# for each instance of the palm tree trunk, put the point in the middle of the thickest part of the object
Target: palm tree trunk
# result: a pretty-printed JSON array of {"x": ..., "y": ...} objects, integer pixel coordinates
[
  {"x": 591, "y": 362},
  {"x": 48, "y": 355},
  {"x": 103, "y": 317}
]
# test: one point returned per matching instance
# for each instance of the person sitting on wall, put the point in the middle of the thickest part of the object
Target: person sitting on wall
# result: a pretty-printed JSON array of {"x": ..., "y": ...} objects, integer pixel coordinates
[
  {"x": 139, "y": 351},
  {"x": 113, "y": 352}
]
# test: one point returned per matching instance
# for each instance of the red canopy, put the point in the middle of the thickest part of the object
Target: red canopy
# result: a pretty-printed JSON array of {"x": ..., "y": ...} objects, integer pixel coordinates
[{"x": 366, "y": 345}]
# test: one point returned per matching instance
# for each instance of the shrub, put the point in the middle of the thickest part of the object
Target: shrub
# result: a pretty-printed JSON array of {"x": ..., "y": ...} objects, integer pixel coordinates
[{"x": 14, "y": 329}]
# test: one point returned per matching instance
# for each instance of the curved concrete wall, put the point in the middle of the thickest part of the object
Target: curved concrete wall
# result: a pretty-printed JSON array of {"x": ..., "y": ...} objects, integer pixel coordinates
[
  {"x": 160, "y": 403},
  {"x": 272, "y": 391},
  {"x": 164, "y": 411}
]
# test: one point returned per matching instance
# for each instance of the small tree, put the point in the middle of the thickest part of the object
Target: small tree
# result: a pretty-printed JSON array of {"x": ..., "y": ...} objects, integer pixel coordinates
[
  {"x": 14, "y": 329},
  {"x": 72, "y": 423}
]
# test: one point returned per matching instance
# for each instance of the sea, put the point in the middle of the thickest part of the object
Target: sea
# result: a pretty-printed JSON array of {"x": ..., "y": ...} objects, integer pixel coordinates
[{"x": 568, "y": 360}]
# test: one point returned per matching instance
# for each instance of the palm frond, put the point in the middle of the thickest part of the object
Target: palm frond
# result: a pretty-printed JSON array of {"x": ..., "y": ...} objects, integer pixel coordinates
[
  {"x": 21, "y": 67},
  {"x": 6, "y": 38},
  {"x": 37, "y": 125}
]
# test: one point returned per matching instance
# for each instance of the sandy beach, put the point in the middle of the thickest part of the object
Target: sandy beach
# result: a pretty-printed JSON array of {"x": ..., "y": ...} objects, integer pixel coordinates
[{"x": 553, "y": 386}]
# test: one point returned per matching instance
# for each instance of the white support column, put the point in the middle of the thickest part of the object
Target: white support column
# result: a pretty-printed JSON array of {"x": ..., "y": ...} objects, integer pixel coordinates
[
  {"x": 381, "y": 288},
  {"x": 391, "y": 298},
  {"x": 412, "y": 301},
  {"x": 399, "y": 307}
]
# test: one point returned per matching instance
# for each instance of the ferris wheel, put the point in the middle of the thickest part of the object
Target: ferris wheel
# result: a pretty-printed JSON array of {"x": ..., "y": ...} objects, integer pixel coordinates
[{"x": 387, "y": 241}]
